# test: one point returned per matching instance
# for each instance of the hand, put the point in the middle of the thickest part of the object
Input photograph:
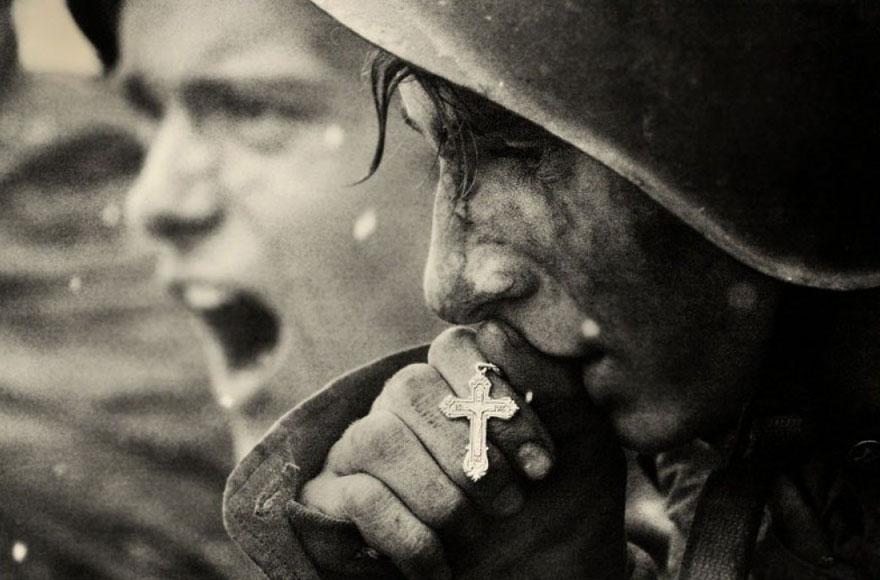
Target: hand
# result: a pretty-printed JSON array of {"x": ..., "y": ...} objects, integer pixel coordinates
[{"x": 397, "y": 473}]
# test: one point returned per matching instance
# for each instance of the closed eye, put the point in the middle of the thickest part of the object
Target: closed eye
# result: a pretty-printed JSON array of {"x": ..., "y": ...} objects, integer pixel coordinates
[
  {"x": 207, "y": 97},
  {"x": 517, "y": 151},
  {"x": 252, "y": 100},
  {"x": 499, "y": 147}
]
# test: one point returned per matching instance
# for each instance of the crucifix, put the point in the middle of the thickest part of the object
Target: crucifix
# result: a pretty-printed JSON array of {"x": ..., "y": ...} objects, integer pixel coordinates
[{"x": 478, "y": 409}]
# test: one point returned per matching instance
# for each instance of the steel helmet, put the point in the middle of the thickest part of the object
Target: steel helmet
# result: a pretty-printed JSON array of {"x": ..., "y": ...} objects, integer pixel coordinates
[{"x": 757, "y": 123}]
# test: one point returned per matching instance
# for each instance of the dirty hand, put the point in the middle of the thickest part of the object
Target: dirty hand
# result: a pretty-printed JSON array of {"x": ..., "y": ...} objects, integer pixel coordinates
[{"x": 551, "y": 504}]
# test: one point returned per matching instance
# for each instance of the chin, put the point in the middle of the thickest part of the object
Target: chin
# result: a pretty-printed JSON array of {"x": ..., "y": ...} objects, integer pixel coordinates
[{"x": 651, "y": 431}]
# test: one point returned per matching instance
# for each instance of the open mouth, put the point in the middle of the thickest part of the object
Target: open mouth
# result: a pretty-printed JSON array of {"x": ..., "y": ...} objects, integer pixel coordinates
[
  {"x": 244, "y": 336},
  {"x": 246, "y": 328}
]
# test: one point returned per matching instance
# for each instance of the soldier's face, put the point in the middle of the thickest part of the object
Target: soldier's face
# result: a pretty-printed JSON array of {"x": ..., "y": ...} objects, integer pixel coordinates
[
  {"x": 669, "y": 330},
  {"x": 257, "y": 129}
]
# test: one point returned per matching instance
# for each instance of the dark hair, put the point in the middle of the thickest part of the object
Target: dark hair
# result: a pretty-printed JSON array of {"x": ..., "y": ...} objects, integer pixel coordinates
[
  {"x": 99, "y": 20},
  {"x": 464, "y": 119},
  {"x": 386, "y": 72}
]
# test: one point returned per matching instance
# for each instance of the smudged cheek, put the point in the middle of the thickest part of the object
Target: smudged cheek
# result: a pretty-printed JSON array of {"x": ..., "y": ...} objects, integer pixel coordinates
[
  {"x": 516, "y": 215},
  {"x": 596, "y": 264}
]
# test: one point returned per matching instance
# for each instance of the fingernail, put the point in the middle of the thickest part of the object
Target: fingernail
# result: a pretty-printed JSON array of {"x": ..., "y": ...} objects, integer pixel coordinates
[
  {"x": 535, "y": 460},
  {"x": 509, "y": 501}
]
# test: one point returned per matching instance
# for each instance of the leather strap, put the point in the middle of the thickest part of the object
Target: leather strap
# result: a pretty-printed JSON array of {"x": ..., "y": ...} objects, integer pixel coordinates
[{"x": 731, "y": 504}]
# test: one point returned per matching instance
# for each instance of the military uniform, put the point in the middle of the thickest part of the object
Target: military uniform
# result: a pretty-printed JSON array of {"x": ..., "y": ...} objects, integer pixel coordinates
[{"x": 756, "y": 126}]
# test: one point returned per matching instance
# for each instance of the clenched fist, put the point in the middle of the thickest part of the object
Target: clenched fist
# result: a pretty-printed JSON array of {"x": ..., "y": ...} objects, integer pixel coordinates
[{"x": 551, "y": 504}]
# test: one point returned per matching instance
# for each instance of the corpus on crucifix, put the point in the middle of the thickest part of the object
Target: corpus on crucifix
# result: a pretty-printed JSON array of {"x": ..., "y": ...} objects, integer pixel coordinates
[{"x": 478, "y": 409}]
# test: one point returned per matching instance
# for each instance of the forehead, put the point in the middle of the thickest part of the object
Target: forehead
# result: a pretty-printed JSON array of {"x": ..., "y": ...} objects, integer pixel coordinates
[{"x": 169, "y": 39}]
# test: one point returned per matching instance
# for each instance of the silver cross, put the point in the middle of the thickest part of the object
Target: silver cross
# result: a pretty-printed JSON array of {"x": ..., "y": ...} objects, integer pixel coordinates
[{"x": 478, "y": 409}]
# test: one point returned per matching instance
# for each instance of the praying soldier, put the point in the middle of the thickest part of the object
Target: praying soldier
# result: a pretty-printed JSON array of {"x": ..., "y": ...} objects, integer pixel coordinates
[{"x": 659, "y": 221}]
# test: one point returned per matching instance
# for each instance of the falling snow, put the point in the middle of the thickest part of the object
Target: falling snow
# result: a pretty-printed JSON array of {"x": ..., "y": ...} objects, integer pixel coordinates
[
  {"x": 529, "y": 396},
  {"x": 19, "y": 551},
  {"x": 75, "y": 284},
  {"x": 226, "y": 401},
  {"x": 590, "y": 329},
  {"x": 334, "y": 136},
  {"x": 365, "y": 225}
]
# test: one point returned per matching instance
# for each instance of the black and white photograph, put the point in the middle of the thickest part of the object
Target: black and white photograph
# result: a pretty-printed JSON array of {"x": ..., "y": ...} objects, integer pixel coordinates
[{"x": 439, "y": 289}]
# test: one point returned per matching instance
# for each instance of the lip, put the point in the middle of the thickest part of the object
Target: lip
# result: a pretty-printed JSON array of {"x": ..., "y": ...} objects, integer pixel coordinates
[
  {"x": 588, "y": 355},
  {"x": 585, "y": 354},
  {"x": 243, "y": 332},
  {"x": 572, "y": 346}
]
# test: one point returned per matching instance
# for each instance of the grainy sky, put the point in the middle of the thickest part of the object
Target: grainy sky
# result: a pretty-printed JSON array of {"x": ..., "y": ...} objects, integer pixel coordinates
[{"x": 49, "y": 41}]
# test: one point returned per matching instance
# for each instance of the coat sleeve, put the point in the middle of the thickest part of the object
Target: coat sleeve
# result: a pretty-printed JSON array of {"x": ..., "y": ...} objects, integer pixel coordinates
[{"x": 260, "y": 510}]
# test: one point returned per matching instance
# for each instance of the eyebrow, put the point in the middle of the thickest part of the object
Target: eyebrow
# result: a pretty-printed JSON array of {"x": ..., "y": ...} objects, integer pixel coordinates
[
  {"x": 291, "y": 97},
  {"x": 140, "y": 96}
]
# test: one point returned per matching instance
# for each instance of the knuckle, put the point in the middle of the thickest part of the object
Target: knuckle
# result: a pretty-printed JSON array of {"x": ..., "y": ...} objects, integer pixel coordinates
[
  {"x": 450, "y": 340},
  {"x": 378, "y": 435},
  {"x": 410, "y": 373},
  {"x": 365, "y": 498},
  {"x": 341, "y": 457},
  {"x": 446, "y": 501},
  {"x": 451, "y": 511},
  {"x": 423, "y": 545},
  {"x": 408, "y": 387}
]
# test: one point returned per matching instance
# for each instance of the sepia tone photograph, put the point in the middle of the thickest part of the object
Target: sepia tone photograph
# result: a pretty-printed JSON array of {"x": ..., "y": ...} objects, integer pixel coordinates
[{"x": 439, "y": 289}]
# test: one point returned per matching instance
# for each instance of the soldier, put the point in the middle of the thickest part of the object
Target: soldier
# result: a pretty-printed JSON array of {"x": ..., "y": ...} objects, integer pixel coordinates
[
  {"x": 291, "y": 274},
  {"x": 661, "y": 218}
]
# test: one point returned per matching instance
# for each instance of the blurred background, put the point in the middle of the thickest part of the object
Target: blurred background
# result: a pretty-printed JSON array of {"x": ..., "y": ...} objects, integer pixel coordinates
[
  {"x": 114, "y": 451},
  {"x": 115, "y": 439},
  {"x": 50, "y": 42}
]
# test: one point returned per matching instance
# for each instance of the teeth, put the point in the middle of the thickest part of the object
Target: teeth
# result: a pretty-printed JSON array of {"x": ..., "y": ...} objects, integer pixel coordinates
[{"x": 203, "y": 297}]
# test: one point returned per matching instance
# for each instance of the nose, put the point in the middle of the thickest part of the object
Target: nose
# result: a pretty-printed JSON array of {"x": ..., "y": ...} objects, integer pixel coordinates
[
  {"x": 175, "y": 199},
  {"x": 466, "y": 280}
]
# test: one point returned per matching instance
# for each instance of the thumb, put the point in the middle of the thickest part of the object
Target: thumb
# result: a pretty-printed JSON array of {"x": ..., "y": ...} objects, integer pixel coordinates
[{"x": 551, "y": 385}]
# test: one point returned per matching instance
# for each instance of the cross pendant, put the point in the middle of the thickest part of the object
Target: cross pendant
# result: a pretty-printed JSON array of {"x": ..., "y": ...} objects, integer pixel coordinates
[{"x": 478, "y": 409}]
